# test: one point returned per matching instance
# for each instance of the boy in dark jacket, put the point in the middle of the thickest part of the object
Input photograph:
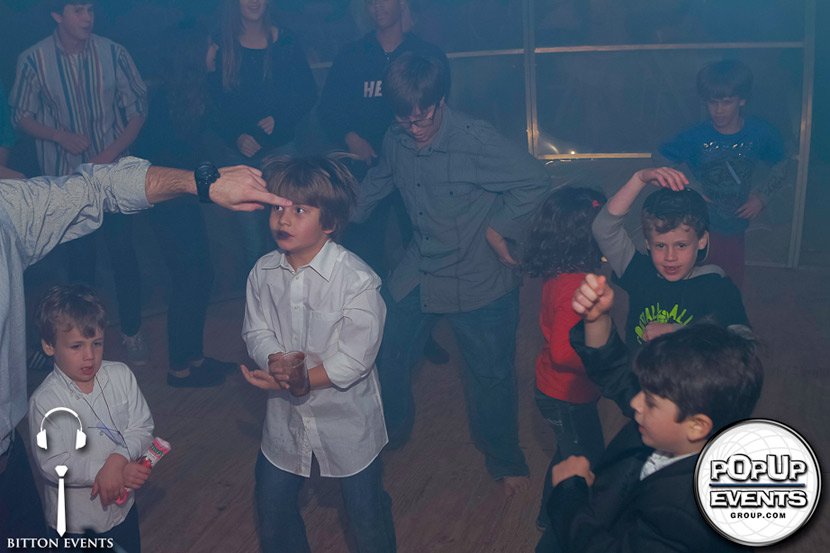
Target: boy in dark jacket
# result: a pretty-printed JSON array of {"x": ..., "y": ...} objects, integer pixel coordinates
[{"x": 639, "y": 496}]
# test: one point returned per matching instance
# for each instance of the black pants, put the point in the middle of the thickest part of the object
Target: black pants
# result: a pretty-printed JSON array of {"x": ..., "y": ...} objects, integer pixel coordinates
[
  {"x": 180, "y": 230},
  {"x": 80, "y": 265},
  {"x": 21, "y": 513}
]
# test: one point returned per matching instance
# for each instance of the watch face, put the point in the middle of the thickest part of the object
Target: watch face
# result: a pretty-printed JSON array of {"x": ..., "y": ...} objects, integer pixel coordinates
[{"x": 205, "y": 171}]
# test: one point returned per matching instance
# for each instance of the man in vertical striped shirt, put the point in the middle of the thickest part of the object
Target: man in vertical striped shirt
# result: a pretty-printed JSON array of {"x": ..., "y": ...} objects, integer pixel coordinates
[{"x": 82, "y": 99}]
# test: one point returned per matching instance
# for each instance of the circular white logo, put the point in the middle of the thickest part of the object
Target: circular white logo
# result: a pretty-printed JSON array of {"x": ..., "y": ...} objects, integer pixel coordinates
[{"x": 757, "y": 482}]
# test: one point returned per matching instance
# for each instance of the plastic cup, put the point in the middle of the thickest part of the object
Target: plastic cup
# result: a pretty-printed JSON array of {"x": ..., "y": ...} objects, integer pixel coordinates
[{"x": 292, "y": 363}]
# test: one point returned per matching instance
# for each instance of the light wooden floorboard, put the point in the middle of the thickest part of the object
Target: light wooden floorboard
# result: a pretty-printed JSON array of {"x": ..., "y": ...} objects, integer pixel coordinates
[{"x": 200, "y": 497}]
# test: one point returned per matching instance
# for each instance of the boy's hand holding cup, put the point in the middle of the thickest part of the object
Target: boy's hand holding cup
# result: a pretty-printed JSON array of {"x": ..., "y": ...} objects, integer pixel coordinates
[{"x": 289, "y": 370}]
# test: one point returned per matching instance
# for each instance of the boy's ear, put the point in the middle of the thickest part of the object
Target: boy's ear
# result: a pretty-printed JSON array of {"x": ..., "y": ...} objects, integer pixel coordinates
[
  {"x": 704, "y": 241},
  {"x": 48, "y": 349},
  {"x": 332, "y": 229},
  {"x": 57, "y": 17},
  {"x": 698, "y": 427}
]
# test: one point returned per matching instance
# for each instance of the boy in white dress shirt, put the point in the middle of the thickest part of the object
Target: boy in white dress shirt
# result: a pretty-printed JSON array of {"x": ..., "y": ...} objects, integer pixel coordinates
[
  {"x": 314, "y": 296},
  {"x": 114, "y": 416}
]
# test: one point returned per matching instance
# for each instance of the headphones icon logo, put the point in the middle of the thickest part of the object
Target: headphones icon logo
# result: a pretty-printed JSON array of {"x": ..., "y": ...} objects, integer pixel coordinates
[{"x": 80, "y": 437}]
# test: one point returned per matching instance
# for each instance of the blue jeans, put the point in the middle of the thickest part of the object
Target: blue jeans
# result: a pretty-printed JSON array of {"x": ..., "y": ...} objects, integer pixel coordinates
[
  {"x": 487, "y": 338},
  {"x": 282, "y": 528},
  {"x": 578, "y": 432}
]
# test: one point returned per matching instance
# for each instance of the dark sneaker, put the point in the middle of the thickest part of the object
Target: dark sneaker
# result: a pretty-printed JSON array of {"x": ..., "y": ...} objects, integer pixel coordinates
[
  {"x": 136, "y": 347},
  {"x": 196, "y": 379}
]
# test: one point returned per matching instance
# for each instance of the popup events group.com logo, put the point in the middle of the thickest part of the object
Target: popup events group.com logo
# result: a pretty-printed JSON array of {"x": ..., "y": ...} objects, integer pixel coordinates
[{"x": 757, "y": 482}]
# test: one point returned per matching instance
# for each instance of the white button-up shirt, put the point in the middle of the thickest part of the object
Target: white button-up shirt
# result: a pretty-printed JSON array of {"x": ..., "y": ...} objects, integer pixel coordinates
[
  {"x": 115, "y": 404},
  {"x": 331, "y": 310}
]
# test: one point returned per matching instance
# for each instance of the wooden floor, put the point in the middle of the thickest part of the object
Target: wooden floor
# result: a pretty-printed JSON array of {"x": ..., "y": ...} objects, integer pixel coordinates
[{"x": 200, "y": 497}]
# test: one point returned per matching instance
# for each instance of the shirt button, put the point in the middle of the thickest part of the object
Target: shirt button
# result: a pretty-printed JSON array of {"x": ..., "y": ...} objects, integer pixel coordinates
[
  {"x": 420, "y": 213},
  {"x": 426, "y": 237},
  {"x": 297, "y": 277},
  {"x": 418, "y": 184},
  {"x": 296, "y": 308}
]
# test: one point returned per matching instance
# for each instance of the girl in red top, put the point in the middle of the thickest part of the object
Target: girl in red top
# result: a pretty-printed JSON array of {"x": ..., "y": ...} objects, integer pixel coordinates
[{"x": 561, "y": 249}]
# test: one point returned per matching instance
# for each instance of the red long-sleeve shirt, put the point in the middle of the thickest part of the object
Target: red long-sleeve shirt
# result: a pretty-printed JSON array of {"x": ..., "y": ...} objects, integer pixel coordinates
[{"x": 559, "y": 370}]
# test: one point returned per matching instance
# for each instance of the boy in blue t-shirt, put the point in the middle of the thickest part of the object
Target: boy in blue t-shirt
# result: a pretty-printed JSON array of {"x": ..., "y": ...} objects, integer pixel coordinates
[{"x": 722, "y": 154}]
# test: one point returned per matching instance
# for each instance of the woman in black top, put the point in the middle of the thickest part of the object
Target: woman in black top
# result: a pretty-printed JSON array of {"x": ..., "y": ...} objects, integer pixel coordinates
[
  {"x": 263, "y": 87},
  {"x": 175, "y": 135}
]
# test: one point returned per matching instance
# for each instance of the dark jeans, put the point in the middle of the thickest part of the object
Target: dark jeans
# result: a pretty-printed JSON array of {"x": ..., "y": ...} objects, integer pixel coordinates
[
  {"x": 21, "y": 513},
  {"x": 182, "y": 240},
  {"x": 578, "y": 432},
  {"x": 487, "y": 338},
  {"x": 126, "y": 535},
  {"x": 80, "y": 265},
  {"x": 282, "y": 528}
]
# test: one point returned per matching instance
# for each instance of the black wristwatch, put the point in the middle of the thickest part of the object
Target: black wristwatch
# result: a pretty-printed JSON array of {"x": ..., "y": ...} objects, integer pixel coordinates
[{"x": 206, "y": 174}]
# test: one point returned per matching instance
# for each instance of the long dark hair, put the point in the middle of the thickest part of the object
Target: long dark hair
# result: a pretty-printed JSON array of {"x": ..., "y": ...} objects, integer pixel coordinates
[
  {"x": 185, "y": 75},
  {"x": 559, "y": 239},
  {"x": 232, "y": 50}
]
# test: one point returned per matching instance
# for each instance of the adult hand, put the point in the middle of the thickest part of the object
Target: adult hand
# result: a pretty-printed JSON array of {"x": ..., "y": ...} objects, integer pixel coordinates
[
  {"x": 110, "y": 480},
  {"x": 655, "y": 329},
  {"x": 241, "y": 188},
  {"x": 135, "y": 475},
  {"x": 593, "y": 298},
  {"x": 360, "y": 147},
  {"x": 261, "y": 379},
  {"x": 572, "y": 466},
  {"x": 751, "y": 208},
  {"x": 665, "y": 177},
  {"x": 266, "y": 125},
  {"x": 499, "y": 245},
  {"x": 71, "y": 142},
  {"x": 248, "y": 145},
  {"x": 6, "y": 173}
]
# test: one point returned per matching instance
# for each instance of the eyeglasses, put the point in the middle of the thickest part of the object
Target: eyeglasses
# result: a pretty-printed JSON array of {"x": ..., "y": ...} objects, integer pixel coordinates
[{"x": 420, "y": 123}]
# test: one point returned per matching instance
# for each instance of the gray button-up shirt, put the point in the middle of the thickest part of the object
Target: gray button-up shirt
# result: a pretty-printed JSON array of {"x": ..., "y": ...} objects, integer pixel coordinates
[
  {"x": 35, "y": 216},
  {"x": 467, "y": 179}
]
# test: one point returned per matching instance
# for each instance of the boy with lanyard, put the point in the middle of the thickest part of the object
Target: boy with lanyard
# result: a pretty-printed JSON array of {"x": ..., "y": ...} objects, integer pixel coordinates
[{"x": 113, "y": 413}]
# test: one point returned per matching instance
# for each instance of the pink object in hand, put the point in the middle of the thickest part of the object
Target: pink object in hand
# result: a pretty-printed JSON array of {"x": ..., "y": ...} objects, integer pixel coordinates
[{"x": 158, "y": 449}]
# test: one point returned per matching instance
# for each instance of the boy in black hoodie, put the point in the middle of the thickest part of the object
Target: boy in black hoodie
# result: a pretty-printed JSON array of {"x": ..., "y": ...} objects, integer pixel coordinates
[{"x": 669, "y": 287}]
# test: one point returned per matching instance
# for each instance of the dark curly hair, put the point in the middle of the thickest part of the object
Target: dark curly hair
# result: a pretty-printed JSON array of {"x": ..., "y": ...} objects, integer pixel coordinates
[{"x": 559, "y": 238}]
